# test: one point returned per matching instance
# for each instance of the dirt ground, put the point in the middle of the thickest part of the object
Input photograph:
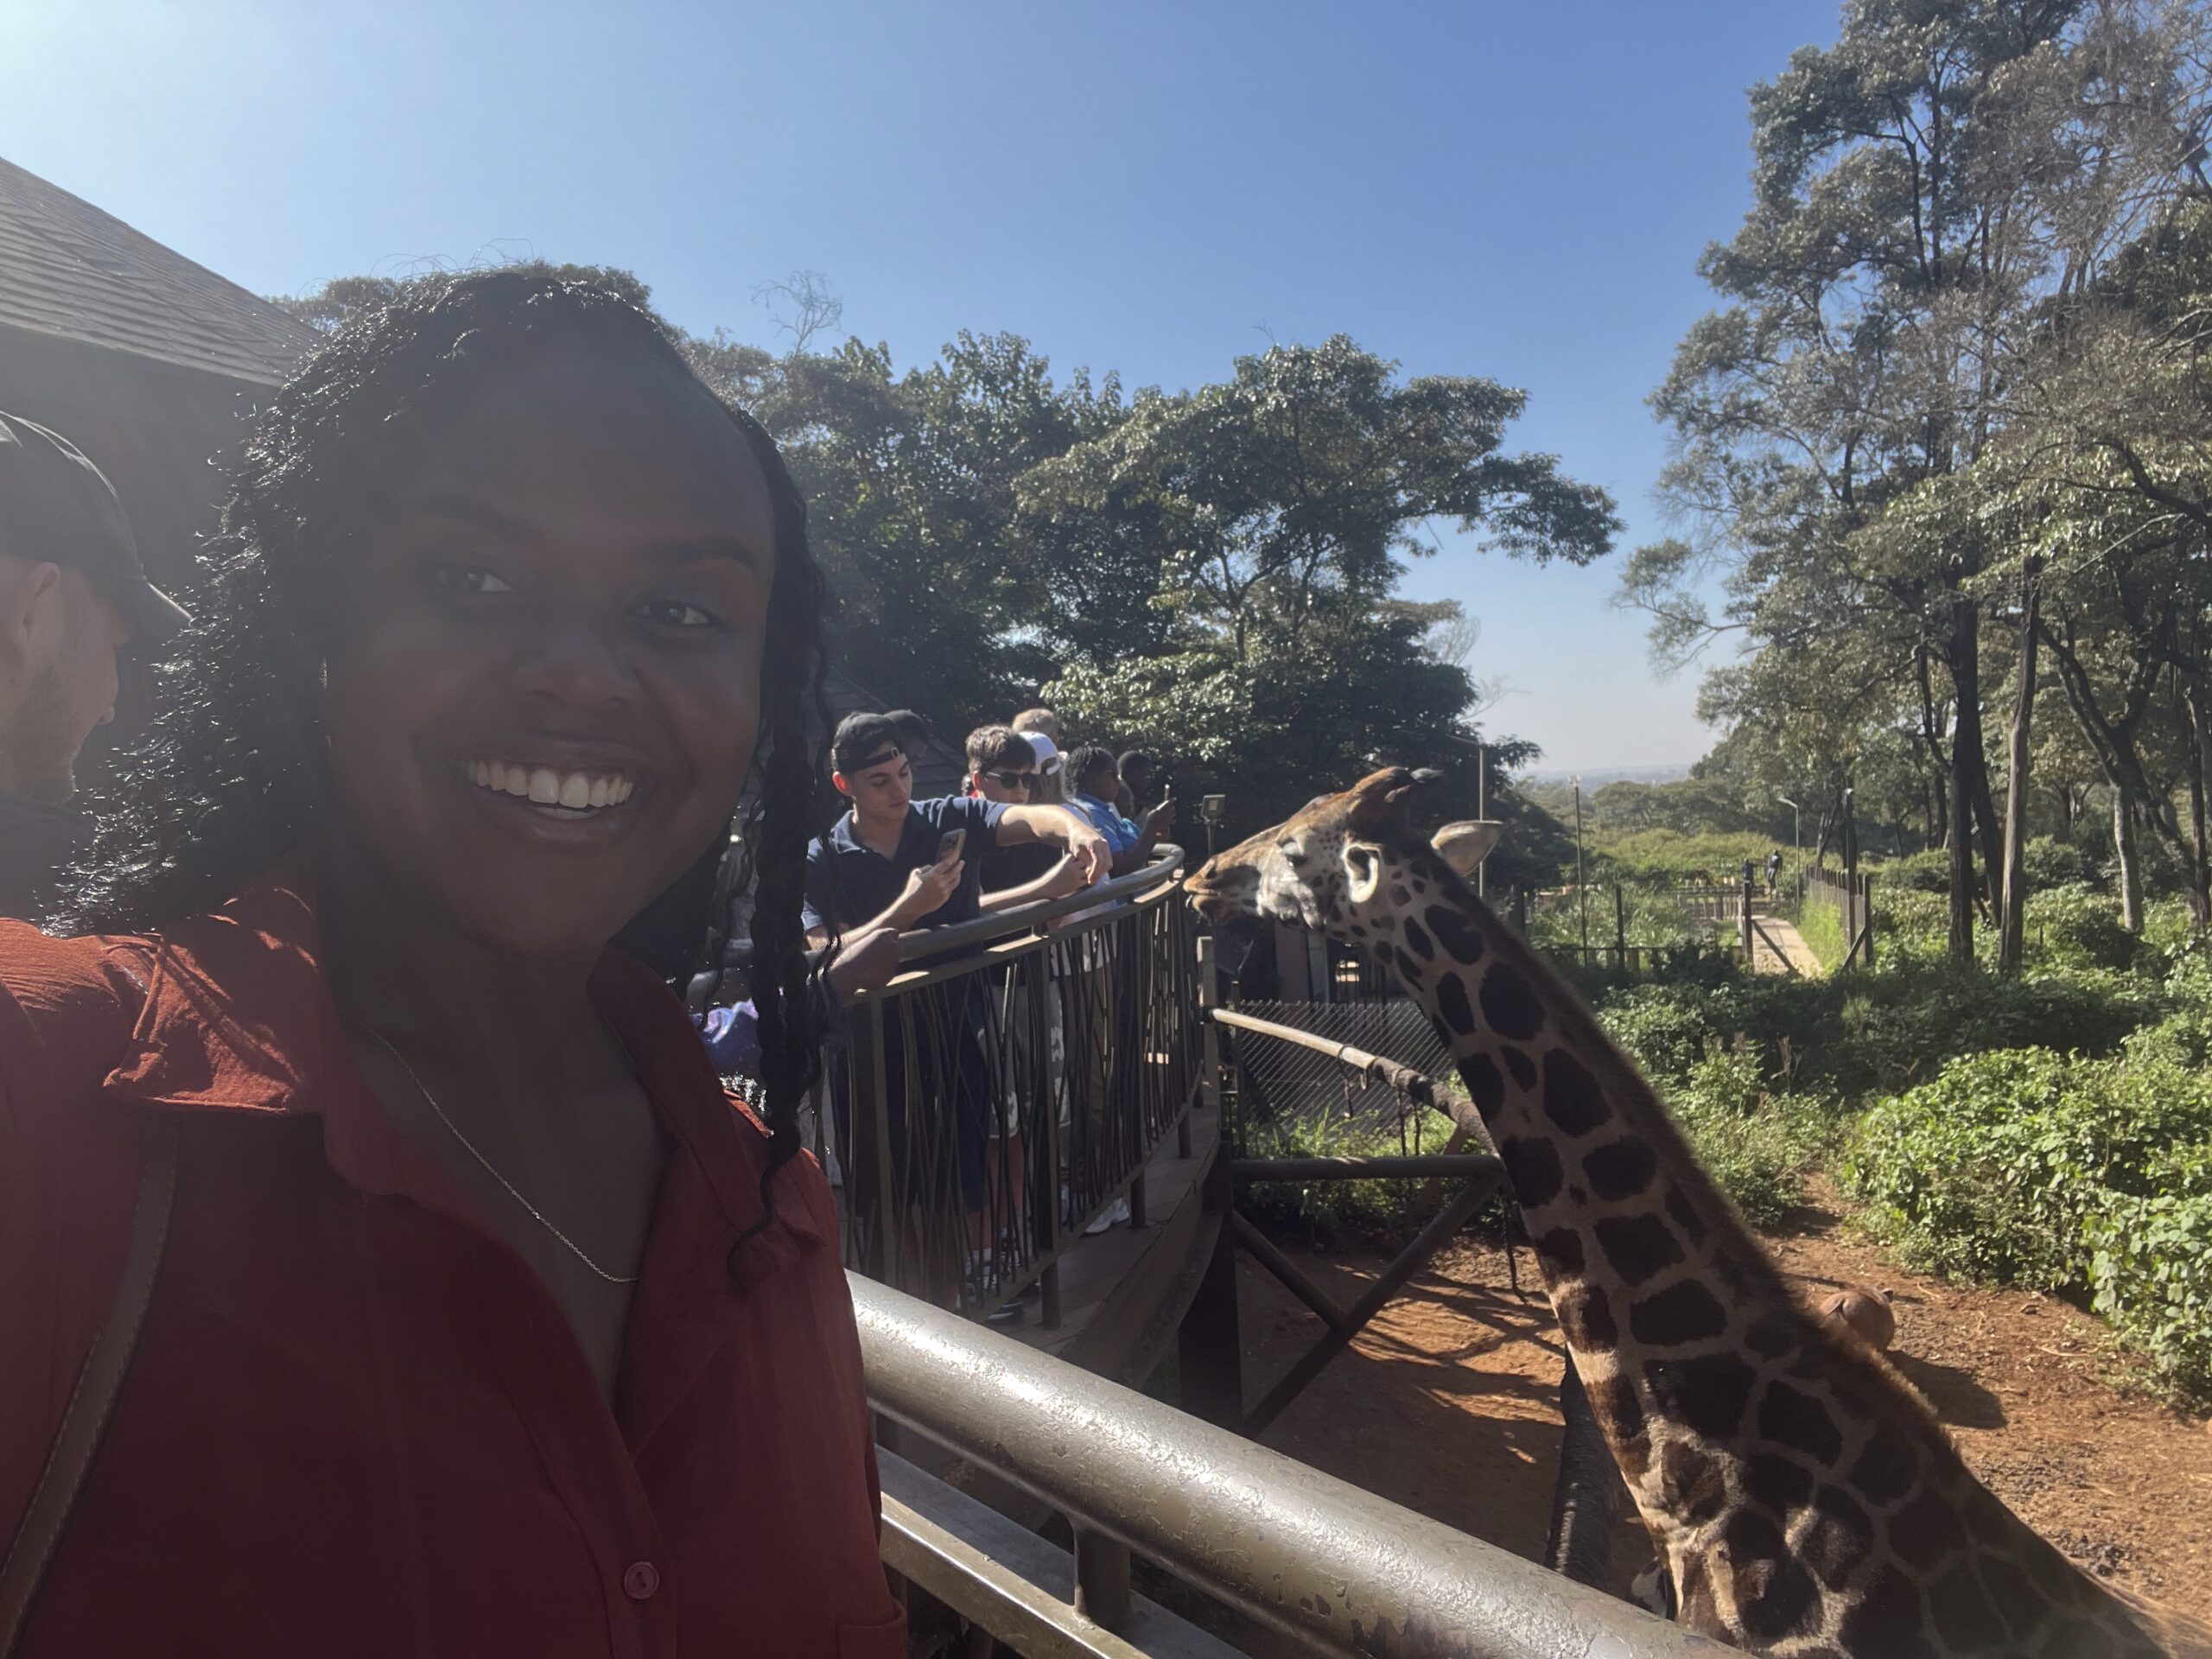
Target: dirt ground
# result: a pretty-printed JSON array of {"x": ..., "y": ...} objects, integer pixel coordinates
[{"x": 1448, "y": 1403}]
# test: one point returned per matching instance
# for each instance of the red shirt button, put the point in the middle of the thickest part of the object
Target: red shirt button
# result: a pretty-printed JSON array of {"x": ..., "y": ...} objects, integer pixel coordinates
[{"x": 640, "y": 1579}]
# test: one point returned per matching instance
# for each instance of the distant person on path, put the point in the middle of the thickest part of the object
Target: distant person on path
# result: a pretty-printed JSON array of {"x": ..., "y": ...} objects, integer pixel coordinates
[
  {"x": 1773, "y": 870},
  {"x": 74, "y": 596},
  {"x": 1093, "y": 776}
]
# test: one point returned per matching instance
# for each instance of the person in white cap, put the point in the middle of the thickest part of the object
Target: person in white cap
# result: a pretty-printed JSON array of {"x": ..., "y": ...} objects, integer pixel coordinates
[
  {"x": 1049, "y": 786},
  {"x": 72, "y": 597}
]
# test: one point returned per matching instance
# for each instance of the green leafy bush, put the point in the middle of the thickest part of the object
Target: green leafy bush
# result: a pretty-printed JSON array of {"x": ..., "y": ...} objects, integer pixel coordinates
[
  {"x": 1757, "y": 1145},
  {"x": 2049, "y": 862},
  {"x": 2030, "y": 1168},
  {"x": 2151, "y": 1271},
  {"x": 1669, "y": 854},
  {"x": 2075, "y": 923},
  {"x": 1926, "y": 871}
]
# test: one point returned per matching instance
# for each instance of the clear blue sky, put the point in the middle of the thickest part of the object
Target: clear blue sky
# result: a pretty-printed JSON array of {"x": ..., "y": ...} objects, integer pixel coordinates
[{"x": 1507, "y": 189}]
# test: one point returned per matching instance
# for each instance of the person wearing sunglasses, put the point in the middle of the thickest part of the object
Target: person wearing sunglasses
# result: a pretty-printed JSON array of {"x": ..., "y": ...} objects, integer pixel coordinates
[{"x": 1003, "y": 768}]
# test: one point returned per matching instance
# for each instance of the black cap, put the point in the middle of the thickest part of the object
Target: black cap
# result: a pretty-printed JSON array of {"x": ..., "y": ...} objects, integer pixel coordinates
[{"x": 56, "y": 506}]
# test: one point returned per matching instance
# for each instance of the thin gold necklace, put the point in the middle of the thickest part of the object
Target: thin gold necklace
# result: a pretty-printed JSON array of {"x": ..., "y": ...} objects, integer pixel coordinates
[{"x": 490, "y": 1168}]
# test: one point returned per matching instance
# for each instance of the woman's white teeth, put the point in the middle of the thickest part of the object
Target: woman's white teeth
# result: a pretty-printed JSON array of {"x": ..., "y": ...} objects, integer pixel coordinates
[{"x": 572, "y": 792}]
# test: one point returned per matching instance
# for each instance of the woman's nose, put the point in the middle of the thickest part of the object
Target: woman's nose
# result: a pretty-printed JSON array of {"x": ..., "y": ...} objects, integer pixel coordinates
[{"x": 575, "y": 665}]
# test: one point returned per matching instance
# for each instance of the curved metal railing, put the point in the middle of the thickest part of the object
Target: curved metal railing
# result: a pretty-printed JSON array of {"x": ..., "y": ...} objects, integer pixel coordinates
[{"x": 1342, "y": 1570}]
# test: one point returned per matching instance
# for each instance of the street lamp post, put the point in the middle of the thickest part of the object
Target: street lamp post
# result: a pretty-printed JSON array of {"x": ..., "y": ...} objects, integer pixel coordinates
[
  {"x": 1482, "y": 810},
  {"x": 1796, "y": 835}
]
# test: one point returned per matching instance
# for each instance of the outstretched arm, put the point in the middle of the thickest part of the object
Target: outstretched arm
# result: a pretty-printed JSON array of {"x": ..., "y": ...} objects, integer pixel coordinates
[{"x": 1085, "y": 846}]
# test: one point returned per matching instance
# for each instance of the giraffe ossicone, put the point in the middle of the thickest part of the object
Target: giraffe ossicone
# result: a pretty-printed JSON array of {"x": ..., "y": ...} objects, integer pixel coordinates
[{"x": 1802, "y": 1498}]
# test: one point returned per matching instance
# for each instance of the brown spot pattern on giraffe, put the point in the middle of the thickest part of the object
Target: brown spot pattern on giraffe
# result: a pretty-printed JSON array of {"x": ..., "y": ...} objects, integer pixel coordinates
[
  {"x": 1838, "y": 1538},
  {"x": 1638, "y": 1247},
  {"x": 1585, "y": 1314},
  {"x": 1562, "y": 1250},
  {"x": 1886, "y": 1466},
  {"x": 1461, "y": 939},
  {"x": 1707, "y": 1394},
  {"x": 1963, "y": 1612},
  {"x": 1887, "y": 1618},
  {"x": 1622, "y": 1168},
  {"x": 1572, "y": 1099},
  {"x": 1451, "y": 1005},
  {"x": 1684, "y": 1215},
  {"x": 1484, "y": 1087},
  {"x": 1509, "y": 1006},
  {"x": 1691, "y": 1484},
  {"x": 1927, "y": 1530},
  {"x": 1779, "y": 1483},
  {"x": 1533, "y": 1168},
  {"x": 1523, "y": 1068},
  {"x": 1784, "y": 1601},
  {"x": 1795, "y": 1418},
  {"x": 1685, "y": 1312}
]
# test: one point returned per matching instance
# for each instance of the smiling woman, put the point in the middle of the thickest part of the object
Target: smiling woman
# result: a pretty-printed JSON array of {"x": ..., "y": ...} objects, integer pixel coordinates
[{"x": 486, "y": 1323}]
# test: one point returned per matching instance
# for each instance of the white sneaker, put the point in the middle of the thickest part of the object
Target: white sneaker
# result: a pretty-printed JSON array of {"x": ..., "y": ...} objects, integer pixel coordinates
[{"x": 1113, "y": 1216}]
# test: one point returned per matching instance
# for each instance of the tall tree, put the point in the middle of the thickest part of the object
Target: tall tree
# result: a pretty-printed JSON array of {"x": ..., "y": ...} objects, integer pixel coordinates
[
  {"x": 1264, "y": 522},
  {"x": 1924, "y": 187}
]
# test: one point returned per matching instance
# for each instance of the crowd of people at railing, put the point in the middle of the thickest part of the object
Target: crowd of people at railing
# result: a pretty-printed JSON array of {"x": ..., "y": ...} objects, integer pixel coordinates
[{"x": 1031, "y": 823}]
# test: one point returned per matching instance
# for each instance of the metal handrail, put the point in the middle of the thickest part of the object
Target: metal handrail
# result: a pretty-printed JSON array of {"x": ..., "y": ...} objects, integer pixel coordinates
[
  {"x": 1167, "y": 860},
  {"x": 1342, "y": 1570}
]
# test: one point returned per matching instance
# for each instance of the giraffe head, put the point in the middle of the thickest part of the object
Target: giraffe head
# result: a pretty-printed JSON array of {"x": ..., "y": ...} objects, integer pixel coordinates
[{"x": 1328, "y": 862}]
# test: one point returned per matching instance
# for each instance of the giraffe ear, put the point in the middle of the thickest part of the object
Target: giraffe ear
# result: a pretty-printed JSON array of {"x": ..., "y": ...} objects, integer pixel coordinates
[{"x": 1464, "y": 845}]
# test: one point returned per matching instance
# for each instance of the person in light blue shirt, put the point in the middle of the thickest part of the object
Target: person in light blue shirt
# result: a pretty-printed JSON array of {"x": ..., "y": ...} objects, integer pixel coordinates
[{"x": 1093, "y": 777}]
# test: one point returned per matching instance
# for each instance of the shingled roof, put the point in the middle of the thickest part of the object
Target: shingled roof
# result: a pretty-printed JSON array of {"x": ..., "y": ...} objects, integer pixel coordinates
[{"x": 68, "y": 270}]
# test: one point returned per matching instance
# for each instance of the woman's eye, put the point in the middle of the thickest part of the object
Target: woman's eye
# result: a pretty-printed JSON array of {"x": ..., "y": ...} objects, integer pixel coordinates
[
  {"x": 469, "y": 578},
  {"x": 674, "y": 613}
]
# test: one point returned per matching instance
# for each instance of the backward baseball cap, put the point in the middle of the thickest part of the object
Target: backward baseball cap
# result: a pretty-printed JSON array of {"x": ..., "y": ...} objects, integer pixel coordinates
[{"x": 55, "y": 505}]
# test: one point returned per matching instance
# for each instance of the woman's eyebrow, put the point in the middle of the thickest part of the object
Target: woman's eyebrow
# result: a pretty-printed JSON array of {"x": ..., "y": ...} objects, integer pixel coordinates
[
  {"x": 462, "y": 509},
  {"x": 694, "y": 550},
  {"x": 683, "y": 550}
]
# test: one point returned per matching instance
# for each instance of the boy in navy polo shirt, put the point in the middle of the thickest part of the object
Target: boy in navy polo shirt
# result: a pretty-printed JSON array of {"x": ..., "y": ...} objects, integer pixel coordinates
[{"x": 879, "y": 865}]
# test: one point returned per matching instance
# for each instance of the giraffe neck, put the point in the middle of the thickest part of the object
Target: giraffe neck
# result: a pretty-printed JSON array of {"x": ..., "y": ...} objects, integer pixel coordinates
[{"x": 1803, "y": 1498}]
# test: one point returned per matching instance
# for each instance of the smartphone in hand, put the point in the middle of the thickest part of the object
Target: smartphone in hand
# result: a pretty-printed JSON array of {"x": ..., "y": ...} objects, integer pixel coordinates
[{"x": 948, "y": 845}]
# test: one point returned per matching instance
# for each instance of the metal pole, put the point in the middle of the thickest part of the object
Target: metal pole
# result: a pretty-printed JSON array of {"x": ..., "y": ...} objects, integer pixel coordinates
[
  {"x": 1582, "y": 892},
  {"x": 1482, "y": 810},
  {"x": 1102, "y": 1579}
]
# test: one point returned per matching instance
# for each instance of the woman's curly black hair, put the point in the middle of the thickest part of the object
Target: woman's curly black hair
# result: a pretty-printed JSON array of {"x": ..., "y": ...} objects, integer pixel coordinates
[{"x": 229, "y": 779}]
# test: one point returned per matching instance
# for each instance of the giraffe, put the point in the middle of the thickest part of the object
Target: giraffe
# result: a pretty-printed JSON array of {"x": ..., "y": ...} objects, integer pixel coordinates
[{"x": 1800, "y": 1494}]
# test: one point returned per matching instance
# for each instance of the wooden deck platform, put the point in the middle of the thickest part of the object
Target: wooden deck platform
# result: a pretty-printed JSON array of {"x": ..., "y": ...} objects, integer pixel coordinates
[{"x": 1123, "y": 1291}]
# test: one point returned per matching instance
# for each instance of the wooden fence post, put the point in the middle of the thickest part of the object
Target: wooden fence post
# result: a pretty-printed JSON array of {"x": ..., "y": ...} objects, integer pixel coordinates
[{"x": 1620, "y": 930}]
